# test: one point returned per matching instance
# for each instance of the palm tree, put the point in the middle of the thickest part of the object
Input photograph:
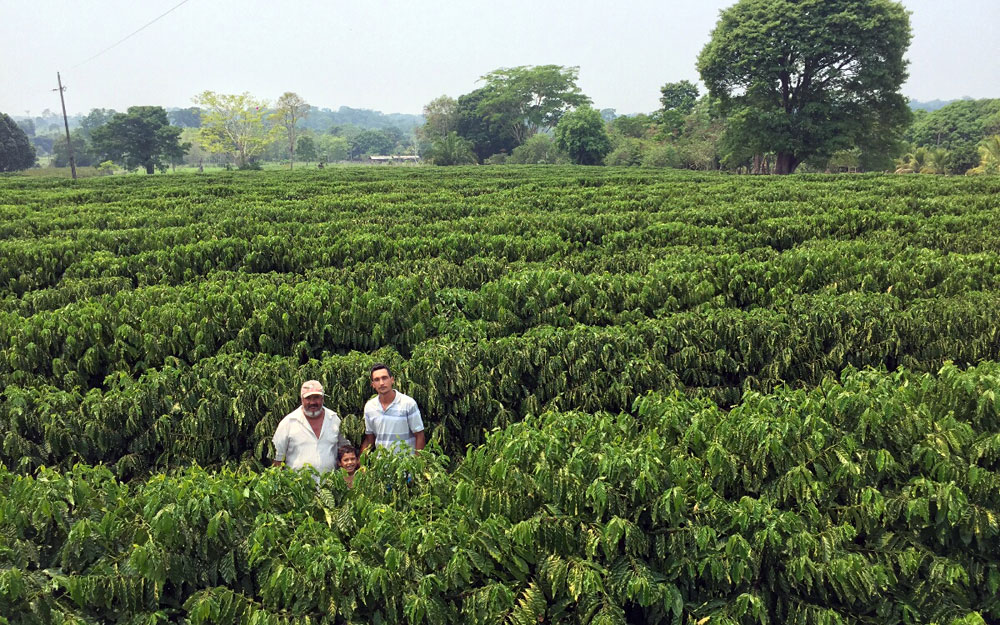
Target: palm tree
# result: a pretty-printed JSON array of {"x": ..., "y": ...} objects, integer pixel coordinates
[
  {"x": 938, "y": 161},
  {"x": 924, "y": 161},
  {"x": 912, "y": 162},
  {"x": 989, "y": 155},
  {"x": 452, "y": 150}
]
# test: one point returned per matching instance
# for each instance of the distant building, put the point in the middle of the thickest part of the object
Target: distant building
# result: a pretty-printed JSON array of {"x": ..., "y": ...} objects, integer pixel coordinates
[{"x": 394, "y": 158}]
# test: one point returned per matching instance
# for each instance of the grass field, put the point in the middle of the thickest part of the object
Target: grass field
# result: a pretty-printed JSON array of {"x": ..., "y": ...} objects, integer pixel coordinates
[{"x": 652, "y": 396}]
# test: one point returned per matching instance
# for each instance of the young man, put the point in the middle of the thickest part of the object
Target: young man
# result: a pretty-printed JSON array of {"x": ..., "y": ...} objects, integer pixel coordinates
[
  {"x": 392, "y": 419},
  {"x": 347, "y": 459},
  {"x": 310, "y": 434}
]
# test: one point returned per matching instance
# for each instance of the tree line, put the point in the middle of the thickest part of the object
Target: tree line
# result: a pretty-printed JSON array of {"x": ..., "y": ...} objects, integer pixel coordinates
[
  {"x": 236, "y": 130},
  {"x": 789, "y": 87}
]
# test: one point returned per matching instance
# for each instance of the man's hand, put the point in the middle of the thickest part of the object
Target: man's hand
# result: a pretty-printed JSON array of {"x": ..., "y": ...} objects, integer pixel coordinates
[
  {"x": 419, "y": 440},
  {"x": 367, "y": 443}
]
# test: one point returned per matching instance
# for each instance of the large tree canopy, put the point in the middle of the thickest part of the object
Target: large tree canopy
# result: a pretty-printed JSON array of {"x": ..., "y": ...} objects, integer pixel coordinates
[
  {"x": 141, "y": 137},
  {"x": 440, "y": 119},
  {"x": 804, "y": 78},
  {"x": 487, "y": 136},
  {"x": 235, "y": 125},
  {"x": 677, "y": 100},
  {"x": 16, "y": 151},
  {"x": 83, "y": 150},
  {"x": 371, "y": 142},
  {"x": 581, "y": 134},
  {"x": 524, "y": 99}
]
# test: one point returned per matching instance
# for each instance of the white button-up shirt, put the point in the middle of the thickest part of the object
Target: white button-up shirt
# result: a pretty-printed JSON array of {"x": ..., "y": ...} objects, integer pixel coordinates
[{"x": 297, "y": 445}]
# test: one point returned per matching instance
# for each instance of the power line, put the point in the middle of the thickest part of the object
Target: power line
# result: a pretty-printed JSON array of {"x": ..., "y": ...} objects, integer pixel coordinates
[{"x": 137, "y": 31}]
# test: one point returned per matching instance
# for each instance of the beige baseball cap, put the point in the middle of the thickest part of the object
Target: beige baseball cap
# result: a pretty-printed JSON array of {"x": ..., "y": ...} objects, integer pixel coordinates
[{"x": 311, "y": 387}]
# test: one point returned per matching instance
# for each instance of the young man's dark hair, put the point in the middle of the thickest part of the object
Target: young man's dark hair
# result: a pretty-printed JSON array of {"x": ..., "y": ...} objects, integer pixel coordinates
[{"x": 377, "y": 366}]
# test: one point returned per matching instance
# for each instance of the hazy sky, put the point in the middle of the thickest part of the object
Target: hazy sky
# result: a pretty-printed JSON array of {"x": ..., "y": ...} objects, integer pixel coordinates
[{"x": 397, "y": 55}]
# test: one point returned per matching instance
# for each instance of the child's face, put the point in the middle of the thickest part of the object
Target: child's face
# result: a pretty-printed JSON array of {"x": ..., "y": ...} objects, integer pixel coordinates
[{"x": 349, "y": 463}]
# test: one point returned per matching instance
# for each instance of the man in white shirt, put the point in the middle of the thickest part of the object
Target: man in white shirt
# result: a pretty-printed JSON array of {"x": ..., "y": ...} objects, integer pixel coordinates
[
  {"x": 392, "y": 419},
  {"x": 310, "y": 434}
]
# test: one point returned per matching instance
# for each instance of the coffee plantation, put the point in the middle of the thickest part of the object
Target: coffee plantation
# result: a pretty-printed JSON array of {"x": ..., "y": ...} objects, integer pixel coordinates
[{"x": 651, "y": 397}]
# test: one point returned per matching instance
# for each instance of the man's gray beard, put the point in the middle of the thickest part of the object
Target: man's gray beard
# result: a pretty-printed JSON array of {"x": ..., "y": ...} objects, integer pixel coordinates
[{"x": 312, "y": 413}]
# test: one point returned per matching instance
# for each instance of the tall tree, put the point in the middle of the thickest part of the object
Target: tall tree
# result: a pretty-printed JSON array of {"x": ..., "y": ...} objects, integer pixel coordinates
[
  {"x": 678, "y": 96},
  {"x": 526, "y": 99},
  {"x": 440, "y": 118},
  {"x": 83, "y": 151},
  {"x": 800, "y": 78},
  {"x": 306, "y": 148},
  {"x": 371, "y": 142},
  {"x": 16, "y": 151},
  {"x": 94, "y": 120},
  {"x": 581, "y": 134},
  {"x": 185, "y": 118},
  {"x": 28, "y": 126},
  {"x": 236, "y": 125},
  {"x": 140, "y": 137},
  {"x": 677, "y": 100},
  {"x": 291, "y": 109},
  {"x": 332, "y": 148},
  {"x": 635, "y": 126},
  {"x": 487, "y": 136}
]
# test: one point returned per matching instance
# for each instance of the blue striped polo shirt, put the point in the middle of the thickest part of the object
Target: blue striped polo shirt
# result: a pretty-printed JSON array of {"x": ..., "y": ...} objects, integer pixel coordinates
[{"x": 397, "y": 424}]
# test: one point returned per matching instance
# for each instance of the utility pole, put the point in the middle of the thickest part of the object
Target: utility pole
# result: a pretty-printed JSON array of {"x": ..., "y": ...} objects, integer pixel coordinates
[{"x": 69, "y": 144}]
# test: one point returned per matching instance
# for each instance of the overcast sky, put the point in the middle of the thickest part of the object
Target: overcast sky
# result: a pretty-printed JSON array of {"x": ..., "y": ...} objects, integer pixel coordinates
[{"x": 396, "y": 55}]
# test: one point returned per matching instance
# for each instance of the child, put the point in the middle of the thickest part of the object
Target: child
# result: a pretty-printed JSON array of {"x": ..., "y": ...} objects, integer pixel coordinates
[{"x": 347, "y": 459}]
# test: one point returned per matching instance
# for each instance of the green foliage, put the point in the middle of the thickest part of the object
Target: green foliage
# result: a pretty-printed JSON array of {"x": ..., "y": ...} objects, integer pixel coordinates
[
  {"x": 663, "y": 155},
  {"x": 83, "y": 152},
  {"x": 540, "y": 149},
  {"x": 581, "y": 134},
  {"x": 185, "y": 118},
  {"x": 332, "y": 148},
  {"x": 368, "y": 142},
  {"x": 804, "y": 79},
  {"x": 959, "y": 127},
  {"x": 628, "y": 153},
  {"x": 677, "y": 100},
  {"x": 869, "y": 499},
  {"x": 305, "y": 148},
  {"x": 170, "y": 326},
  {"x": 678, "y": 96},
  {"x": 635, "y": 126},
  {"x": 235, "y": 125},
  {"x": 142, "y": 137},
  {"x": 651, "y": 397},
  {"x": 16, "y": 151},
  {"x": 523, "y": 100},
  {"x": 452, "y": 150},
  {"x": 488, "y": 137},
  {"x": 441, "y": 115},
  {"x": 94, "y": 120},
  {"x": 290, "y": 110},
  {"x": 989, "y": 155}
]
